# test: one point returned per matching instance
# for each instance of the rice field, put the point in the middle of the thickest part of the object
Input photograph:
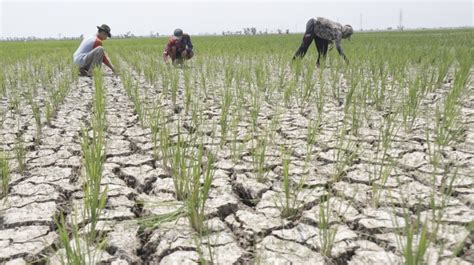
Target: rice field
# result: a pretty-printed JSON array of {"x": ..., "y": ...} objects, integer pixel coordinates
[{"x": 241, "y": 156}]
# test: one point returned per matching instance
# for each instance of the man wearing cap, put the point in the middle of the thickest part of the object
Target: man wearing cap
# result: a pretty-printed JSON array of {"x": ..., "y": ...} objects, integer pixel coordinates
[
  {"x": 179, "y": 47},
  {"x": 323, "y": 31},
  {"x": 91, "y": 54}
]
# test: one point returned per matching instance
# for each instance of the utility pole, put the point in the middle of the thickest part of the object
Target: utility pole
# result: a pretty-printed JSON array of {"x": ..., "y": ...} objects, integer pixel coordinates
[{"x": 361, "y": 29}]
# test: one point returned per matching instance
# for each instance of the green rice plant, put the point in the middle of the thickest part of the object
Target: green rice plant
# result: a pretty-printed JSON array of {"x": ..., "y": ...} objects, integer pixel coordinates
[
  {"x": 4, "y": 174},
  {"x": 150, "y": 74},
  {"x": 225, "y": 109},
  {"x": 445, "y": 61},
  {"x": 14, "y": 100},
  {"x": 327, "y": 231},
  {"x": 154, "y": 123},
  {"x": 258, "y": 156},
  {"x": 383, "y": 164},
  {"x": 188, "y": 170},
  {"x": 76, "y": 250},
  {"x": 448, "y": 128},
  {"x": 351, "y": 102},
  {"x": 138, "y": 104},
  {"x": 289, "y": 205},
  {"x": 320, "y": 96},
  {"x": 174, "y": 78},
  {"x": 236, "y": 147},
  {"x": 289, "y": 91},
  {"x": 255, "y": 108},
  {"x": 165, "y": 146},
  {"x": 199, "y": 193},
  {"x": 412, "y": 101},
  {"x": 37, "y": 116},
  {"x": 313, "y": 130},
  {"x": 203, "y": 83},
  {"x": 335, "y": 79},
  {"x": 415, "y": 240},
  {"x": 180, "y": 163},
  {"x": 154, "y": 221},
  {"x": 379, "y": 91},
  {"x": 346, "y": 153},
  {"x": 3, "y": 86},
  {"x": 48, "y": 112},
  {"x": 94, "y": 197},
  {"x": 307, "y": 86},
  {"x": 187, "y": 90},
  {"x": 93, "y": 149},
  {"x": 20, "y": 152},
  {"x": 98, "y": 117},
  {"x": 261, "y": 76}
]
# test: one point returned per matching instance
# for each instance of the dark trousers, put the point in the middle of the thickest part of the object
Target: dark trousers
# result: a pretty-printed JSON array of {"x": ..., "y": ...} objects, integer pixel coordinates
[{"x": 309, "y": 35}]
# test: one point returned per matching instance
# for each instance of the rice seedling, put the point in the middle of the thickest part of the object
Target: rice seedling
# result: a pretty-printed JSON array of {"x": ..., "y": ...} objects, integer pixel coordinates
[
  {"x": 199, "y": 193},
  {"x": 179, "y": 167},
  {"x": 225, "y": 108},
  {"x": 289, "y": 205},
  {"x": 93, "y": 149},
  {"x": 327, "y": 231},
  {"x": 448, "y": 128},
  {"x": 20, "y": 152},
  {"x": 74, "y": 249},
  {"x": 5, "y": 173},
  {"x": 345, "y": 154},
  {"x": 174, "y": 78},
  {"x": 307, "y": 87},
  {"x": 37, "y": 116},
  {"x": 154, "y": 123},
  {"x": 188, "y": 93},
  {"x": 413, "y": 97},
  {"x": 383, "y": 164},
  {"x": 413, "y": 240},
  {"x": 258, "y": 156}
]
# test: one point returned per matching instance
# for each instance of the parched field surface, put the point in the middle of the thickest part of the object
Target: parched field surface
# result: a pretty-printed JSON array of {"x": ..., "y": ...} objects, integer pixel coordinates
[{"x": 241, "y": 156}]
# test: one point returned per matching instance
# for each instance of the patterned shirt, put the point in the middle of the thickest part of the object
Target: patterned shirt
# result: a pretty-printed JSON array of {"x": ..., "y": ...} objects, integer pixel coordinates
[
  {"x": 181, "y": 44},
  {"x": 329, "y": 30}
]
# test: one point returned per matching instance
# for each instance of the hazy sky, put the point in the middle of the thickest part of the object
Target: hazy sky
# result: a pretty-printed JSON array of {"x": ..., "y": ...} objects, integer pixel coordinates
[{"x": 72, "y": 18}]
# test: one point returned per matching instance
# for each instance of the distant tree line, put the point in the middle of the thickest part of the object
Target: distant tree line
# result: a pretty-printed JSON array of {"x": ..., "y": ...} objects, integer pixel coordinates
[{"x": 253, "y": 31}]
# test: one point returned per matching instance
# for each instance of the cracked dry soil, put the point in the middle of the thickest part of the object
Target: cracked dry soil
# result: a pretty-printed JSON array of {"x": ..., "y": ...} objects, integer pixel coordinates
[{"x": 245, "y": 226}]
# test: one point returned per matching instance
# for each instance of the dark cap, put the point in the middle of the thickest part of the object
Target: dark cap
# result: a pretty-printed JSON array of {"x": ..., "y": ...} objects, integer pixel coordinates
[
  {"x": 105, "y": 28},
  {"x": 178, "y": 33}
]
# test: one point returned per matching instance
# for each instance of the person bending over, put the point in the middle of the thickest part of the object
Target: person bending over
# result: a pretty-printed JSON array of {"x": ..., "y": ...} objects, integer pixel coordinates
[
  {"x": 324, "y": 32},
  {"x": 179, "y": 48}
]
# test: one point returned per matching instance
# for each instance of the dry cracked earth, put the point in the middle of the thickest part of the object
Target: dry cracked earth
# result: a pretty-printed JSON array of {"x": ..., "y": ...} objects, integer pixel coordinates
[{"x": 244, "y": 222}]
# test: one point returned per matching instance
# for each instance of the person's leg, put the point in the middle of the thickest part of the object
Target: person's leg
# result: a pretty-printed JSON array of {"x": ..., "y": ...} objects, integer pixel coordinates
[
  {"x": 93, "y": 59},
  {"x": 179, "y": 58},
  {"x": 319, "y": 47},
  {"x": 173, "y": 54},
  {"x": 325, "y": 49},
  {"x": 307, "y": 39},
  {"x": 322, "y": 46}
]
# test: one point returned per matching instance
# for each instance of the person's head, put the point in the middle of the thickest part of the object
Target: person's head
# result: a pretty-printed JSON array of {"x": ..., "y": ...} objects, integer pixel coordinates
[
  {"x": 178, "y": 33},
  {"x": 103, "y": 32},
  {"x": 347, "y": 32}
]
